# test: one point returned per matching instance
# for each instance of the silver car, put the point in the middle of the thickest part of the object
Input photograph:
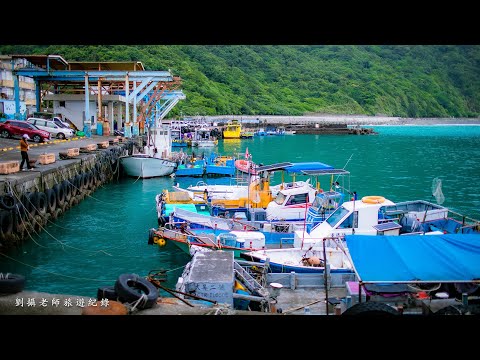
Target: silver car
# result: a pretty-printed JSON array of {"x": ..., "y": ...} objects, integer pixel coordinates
[{"x": 52, "y": 128}]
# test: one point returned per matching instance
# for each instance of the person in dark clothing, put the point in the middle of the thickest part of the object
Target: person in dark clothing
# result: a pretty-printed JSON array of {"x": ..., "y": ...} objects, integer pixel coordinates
[{"x": 24, "y": 151}]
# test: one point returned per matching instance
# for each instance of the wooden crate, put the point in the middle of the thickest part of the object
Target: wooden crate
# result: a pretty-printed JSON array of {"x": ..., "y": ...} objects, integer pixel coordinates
[
  {"x": 45, "y": 159},
  {"x": 9, "y": 167},
  {"x": 103, "y": 145},
  {"x": 73, "y": 151}
]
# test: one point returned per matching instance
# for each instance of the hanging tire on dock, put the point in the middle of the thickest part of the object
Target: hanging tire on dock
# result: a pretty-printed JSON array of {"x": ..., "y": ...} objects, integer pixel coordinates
[
  {"x": 59, "y": 194},
  {"x": 371, "y": 308},
  {"x": 11, "y": 283},
  {"x": 51, "y": 200},
  {"x": 6, "y": 223},
  {"x": 58, "y": 212},
  {"x": 67, "y": 189},
  {"x": 73, "y": 202},
  {"x": 42, "y": 203},
  {"x": 77, "y": 181},
  {"x": 7, "y": 201},
  {"x": 84, "y": 181},
  {"x": 132, "y": 288},
  {"x": 107, "y": 292},
  {"x": 32, "y": 201},
  {"x": 37, "y": 223}
]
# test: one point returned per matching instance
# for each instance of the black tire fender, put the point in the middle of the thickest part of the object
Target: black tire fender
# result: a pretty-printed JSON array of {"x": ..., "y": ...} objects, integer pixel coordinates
[
  {"x": 67, "y": 189},
  {"x": 51, "y": 200},
  {"x": 42, "y": 203},
  {"x": 59, "y": 193},
  {"x": 370, "y": 308},
  {"x": 11, "y": 283},
  {"x": 7, "y": 202},
  {"x": 131, "y": 287},
  {"x": 84, "y": 181},
  {"x": 107, "y": 292},
  {"x": 6, "y": 222},
  {"x": 33, "y": 199}
]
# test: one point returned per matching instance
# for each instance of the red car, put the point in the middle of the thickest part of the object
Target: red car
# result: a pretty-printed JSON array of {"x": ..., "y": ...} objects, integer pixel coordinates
[{"x": 12, "y": 128}]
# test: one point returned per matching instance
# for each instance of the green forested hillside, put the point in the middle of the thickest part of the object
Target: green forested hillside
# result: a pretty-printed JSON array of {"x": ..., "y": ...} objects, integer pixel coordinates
[{"x": 407, "y": 81}]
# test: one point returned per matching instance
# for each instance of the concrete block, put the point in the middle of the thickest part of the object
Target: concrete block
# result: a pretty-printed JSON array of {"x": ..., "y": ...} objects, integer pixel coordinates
[
  {"x": 9, "y": 167},
  {"x": 211, "y": 276}
]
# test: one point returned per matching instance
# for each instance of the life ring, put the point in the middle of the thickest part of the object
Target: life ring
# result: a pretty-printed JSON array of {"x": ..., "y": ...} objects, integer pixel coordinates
[
  {"x": 373, "y": 199},
  {"x": 131, "y": 288}
]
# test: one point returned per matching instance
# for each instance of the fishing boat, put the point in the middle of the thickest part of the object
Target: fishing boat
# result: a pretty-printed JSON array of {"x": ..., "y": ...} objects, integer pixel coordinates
[
  {"x": 232, "y": 130},
  {"x": 376, "y": 215},
  {"x": 236, "y": 241},
  {"x": 246, "y": 134},
  {"x": 245, "y": 166},
  {"x": 153, "y": 159},
  {"x": 220, "y": 165},
  {"x": 202, "y": 138},
  {"x": 195, "y": 168},
  {"x": 302, "y": 260}
]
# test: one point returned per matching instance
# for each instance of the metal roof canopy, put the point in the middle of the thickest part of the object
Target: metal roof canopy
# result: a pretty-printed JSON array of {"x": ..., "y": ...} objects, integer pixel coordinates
[
  {"x": 95, "y": 75},
  {"x": 277, "y": 166},
  {"x": 55, "y": 62},
  {"x": 325, "y": 172},
  {"x": 106, "y": 65}
]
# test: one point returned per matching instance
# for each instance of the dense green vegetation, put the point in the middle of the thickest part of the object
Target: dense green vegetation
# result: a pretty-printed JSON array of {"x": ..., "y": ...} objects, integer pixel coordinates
[{"x": 407, "y": 81}]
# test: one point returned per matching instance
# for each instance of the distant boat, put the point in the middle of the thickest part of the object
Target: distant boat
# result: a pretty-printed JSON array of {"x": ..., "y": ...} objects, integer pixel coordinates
[
  {"x": 233, "y": 130},
  {"x": 245, "y": 166},
  {"x": 153, "y": 161}
]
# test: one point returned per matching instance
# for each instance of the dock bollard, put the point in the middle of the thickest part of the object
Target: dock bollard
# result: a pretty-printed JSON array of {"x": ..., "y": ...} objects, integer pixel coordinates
[
  {"x": 338, "y": 309},
  {"x": 348, "y": 301}
]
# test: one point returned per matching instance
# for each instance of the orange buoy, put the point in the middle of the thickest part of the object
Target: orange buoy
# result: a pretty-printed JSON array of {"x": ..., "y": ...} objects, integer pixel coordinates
[{"x": 113, "y": 308}]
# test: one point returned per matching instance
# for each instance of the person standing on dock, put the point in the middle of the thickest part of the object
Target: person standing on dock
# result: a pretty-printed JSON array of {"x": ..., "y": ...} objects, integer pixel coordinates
[{"x": 24, "y": 147}]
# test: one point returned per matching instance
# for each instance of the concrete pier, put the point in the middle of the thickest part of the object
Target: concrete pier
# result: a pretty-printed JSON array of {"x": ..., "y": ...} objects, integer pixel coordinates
[{"x": 47, "y": 191}]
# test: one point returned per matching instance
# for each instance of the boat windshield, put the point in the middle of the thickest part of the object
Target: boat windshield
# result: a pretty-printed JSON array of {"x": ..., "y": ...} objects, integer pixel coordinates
[
  {"x": 280, "y": 198},
  {"x": 336, "y": 216}
]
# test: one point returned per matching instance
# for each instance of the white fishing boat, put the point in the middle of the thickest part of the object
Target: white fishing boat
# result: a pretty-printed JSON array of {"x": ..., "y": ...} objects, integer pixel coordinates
[
  {"x": 153, "y": 159},
  {"x": 302, "y": 260}
]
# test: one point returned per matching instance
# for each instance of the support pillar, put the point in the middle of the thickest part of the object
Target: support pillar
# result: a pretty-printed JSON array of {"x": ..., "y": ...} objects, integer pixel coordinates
[
  {"x": 87, "y": 124},
  {"x": 110, "y": 115},
  {"x": 16, "y": 90},
  {"x": 135, "y": 120},
  {"x": 128, "y": 129},
  {"x": 38, "y": 99}
]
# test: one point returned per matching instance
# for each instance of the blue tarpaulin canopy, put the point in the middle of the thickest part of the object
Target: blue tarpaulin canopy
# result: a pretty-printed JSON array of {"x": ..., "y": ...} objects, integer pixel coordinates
[
  {"x": 301, "y": 166},
  {"x": 429, "y": 258}
]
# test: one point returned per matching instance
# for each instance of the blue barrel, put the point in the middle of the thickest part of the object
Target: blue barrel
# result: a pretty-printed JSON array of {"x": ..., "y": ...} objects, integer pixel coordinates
[{"x": 99, "y": 128}]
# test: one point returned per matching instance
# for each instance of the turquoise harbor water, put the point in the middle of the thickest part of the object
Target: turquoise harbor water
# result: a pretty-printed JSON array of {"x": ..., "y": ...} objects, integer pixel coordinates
[{"x": 106, "y": 235}]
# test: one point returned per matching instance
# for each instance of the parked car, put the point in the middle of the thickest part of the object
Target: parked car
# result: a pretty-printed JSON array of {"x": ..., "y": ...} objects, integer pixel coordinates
[
  {"x": 11, "y": 128},
  {"x": 61, "y": 123},
  {"x": 52, "y": 128}
]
